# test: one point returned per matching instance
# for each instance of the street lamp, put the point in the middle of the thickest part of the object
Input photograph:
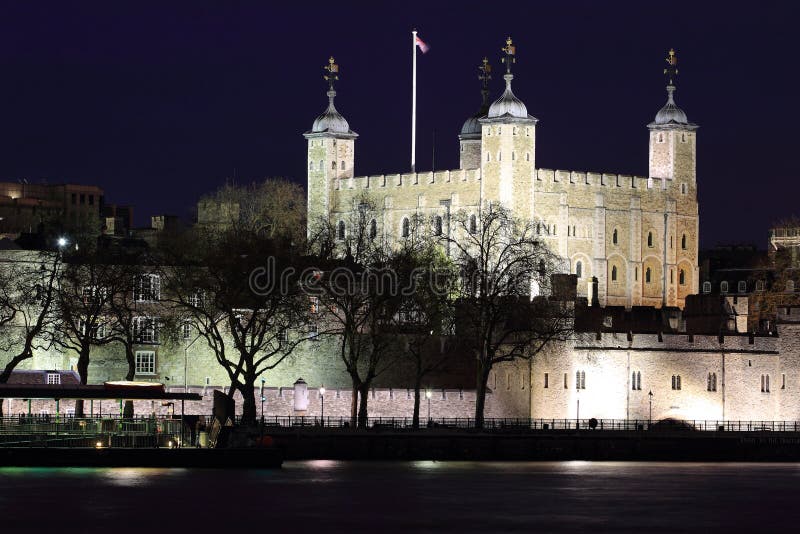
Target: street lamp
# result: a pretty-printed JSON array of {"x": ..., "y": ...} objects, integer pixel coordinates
[
  {"x": 62, "y": 242},
  {"x": 650, "y": 418},
  {"x": 428, "y": 396},
  {"x": 322, "y": 399},
  {"x": 263, "y": 380},
  {"x": 578, "y": 412}
]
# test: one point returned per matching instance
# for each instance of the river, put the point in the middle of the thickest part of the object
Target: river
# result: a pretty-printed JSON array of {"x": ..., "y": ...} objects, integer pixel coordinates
[{"x": 326, "y": 496}]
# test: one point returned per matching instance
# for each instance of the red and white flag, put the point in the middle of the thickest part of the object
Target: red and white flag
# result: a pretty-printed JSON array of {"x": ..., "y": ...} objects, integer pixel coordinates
[{"x": 422, "y": 45}]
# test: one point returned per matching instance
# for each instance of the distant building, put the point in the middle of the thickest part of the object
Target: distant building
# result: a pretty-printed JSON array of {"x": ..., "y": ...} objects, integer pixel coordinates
[{"x": 25, "y": 208}]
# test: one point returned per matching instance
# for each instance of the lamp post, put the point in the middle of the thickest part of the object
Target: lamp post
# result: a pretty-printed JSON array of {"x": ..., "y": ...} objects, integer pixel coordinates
[
  {"x": 428, "y": 396},
  {"x": 322, "y": 400},
  {"x": 578, "y": 411},
  {"x": 262, "y": 401},
  {"x": 650, "y": 418}
]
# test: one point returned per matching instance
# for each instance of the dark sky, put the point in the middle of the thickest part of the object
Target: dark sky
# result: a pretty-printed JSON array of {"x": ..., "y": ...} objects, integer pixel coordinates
[{"x": 160, "y": 102}]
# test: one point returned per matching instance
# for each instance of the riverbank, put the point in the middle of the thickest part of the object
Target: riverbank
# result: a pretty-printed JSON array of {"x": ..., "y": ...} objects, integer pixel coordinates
[{"x": 344, "y": 444}]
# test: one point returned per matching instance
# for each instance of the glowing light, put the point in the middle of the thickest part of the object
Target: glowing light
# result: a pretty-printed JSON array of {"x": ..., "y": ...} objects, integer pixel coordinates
[
  {"x": 62, "y": 242},
  {"x": 99, "y": 445}
]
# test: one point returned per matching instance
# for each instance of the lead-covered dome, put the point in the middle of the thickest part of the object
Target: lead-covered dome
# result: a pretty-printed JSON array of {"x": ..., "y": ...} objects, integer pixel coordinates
[
  {"x": 508, "y": 104},
  {"x": 670, "y": 113},
  {"x": 331, "y": 121}
]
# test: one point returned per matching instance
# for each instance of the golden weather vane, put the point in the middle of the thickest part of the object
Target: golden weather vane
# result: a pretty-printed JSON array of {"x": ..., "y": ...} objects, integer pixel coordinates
[
  {"x": 510, "y": 51},
  {"x": 331, "y": 72},
  {"x": 671, "y": 71}
]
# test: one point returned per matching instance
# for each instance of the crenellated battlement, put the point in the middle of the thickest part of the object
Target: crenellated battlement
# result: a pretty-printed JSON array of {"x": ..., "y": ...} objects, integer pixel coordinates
[
  {"x": 596, "y": 179},
  {"x": 680, "y": 342},
  {"x": 377, "y": 181}
]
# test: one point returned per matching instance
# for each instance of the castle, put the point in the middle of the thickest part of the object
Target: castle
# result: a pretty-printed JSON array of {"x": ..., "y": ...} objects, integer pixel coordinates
[
  {"x": 646, "y": 352},
  {"x": 638, "y": 236}
]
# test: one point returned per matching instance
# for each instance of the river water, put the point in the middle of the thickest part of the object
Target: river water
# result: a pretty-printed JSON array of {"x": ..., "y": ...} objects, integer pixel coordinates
[{"x": 326, "y": 496}]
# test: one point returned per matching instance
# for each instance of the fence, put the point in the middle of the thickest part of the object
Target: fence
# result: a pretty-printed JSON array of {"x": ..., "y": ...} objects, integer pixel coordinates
[
  {"x": 66, "y": 431},
  {"x": 516, "y": 424}
]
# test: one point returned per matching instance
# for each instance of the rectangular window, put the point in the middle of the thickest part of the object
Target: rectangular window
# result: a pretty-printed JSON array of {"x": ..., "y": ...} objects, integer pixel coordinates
[
  {"x": 283, "y": 336},
  {"x": 145, "y": 329},
  {"x": 312, "y": 330},
  {"x": 53, "y": 378},
  {"x": 91, "y": 200},
  {"x": 145, "y": 362},
  {"x": 546, "y": 380},
  {"x": 83, "y": 199},
  {"x": 186, "y": 330},
  {"x": 147, "y": 288},
  {"x": 565, "y": 380},
  {"x": 783, "y": 380}
]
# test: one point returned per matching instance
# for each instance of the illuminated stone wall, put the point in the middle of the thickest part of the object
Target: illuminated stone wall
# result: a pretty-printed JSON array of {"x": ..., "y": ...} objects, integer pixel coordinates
[
  {"x": 610, "y": 362},
  {"x": 656, "y": 218}
]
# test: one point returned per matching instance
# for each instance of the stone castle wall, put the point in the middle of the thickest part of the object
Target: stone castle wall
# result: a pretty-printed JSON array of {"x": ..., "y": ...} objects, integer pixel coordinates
[{"x": 609, "y": 362}]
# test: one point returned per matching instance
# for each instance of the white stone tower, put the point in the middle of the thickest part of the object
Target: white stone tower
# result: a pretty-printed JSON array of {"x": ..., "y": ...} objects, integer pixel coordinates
[
  {"x": 470, "y": 136},
  {"x": 331, "y": 155},
  {"x": 672, "y": 136},
  {"x": 508, "y": 148},
  {"x": 673, "y": 162}
]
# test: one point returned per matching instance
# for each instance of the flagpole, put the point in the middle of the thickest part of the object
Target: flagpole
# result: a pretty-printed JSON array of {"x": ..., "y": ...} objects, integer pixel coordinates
[{"x": 413, "y": 99}]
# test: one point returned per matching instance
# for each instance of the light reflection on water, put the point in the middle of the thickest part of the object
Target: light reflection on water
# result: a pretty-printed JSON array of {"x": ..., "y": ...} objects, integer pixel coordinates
[{"x": 422, "y": 495}]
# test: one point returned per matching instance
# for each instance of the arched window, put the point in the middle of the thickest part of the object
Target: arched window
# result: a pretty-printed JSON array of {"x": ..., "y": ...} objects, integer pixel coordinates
[
  {"x": 340, "y": 231},
  {"x": 647, "y": 274},
  {"x": 310, "y": 165},
  {"x": 333, "y": 165},
  {"x": 706, "y": 287},
  {"x": 406, "y": 228},
  {"x": 499, "y": 156},
  {"x": 437, "y": 225},
  {"x": 660, "y": 138},
  {"x": 373, "y": 229},
  {"x": 742, "y": 286},
  {"x": 488, "y": 157},
  {"x": 682, "y": 277},
  {"x": 764, "y": 383},
  {"x": 636, "y": 274},
  {"x": 579, "y": 269},
  {"x": 613, "y": 273},
  {"x": 580, "y": 379},
  {"x": 759, "y": 285},
  {"x": 723, "y": 287},
  {"x": 341, "y": 165},
  {"x": 614, "y": 237},
  {"x": 684, "y": 189},
  {"x": 321, "y": 167},
  {"x": 650, "y": 239},
  {"x": 473, "y": 224},
  {"x": 527, "y": 156},
  {"x": 683, "y": 241},
  {"x": 790, "y": 286},
  {"x": 712, "y": 382}
]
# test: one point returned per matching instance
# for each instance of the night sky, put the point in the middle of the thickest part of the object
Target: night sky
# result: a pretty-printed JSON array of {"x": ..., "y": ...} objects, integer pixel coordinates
[{"x": 161, "y": 102}]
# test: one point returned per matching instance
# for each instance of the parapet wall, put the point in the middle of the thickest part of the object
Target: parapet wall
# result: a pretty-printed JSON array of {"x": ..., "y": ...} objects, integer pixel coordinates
[
  {"x": 456, "y": 176},
  {"x": 453, "y": 177}
]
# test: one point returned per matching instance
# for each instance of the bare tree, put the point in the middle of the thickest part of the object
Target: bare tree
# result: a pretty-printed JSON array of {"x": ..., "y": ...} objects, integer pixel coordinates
[
  {"x": 425, "y": 312},
  {"x": 273, "y": 208},
  {"x": 28, "y": 287},
  {"x": 503, "y": 308},
  {"x": 85, "y": 291},
  {"x": 358, "y": 292},
  {"x": 243, "y": 296}
]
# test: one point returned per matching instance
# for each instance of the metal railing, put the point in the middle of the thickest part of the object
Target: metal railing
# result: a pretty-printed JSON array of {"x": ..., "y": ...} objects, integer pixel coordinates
[
  {"x": 522, "y": 424},
  {"x": 66, "y": 431}
]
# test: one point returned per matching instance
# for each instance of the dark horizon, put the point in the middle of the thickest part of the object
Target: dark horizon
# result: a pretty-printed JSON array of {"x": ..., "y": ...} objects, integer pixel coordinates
[{"x": 159, "y": 104}]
